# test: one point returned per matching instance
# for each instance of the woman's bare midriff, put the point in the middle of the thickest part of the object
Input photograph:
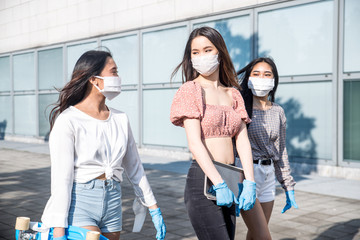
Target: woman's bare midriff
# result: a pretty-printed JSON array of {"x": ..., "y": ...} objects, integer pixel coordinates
[{"x": 220, "y": 149}]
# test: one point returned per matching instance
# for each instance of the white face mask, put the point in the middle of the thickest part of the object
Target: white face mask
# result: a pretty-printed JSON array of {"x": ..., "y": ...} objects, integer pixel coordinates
[
  {"x": 261, "y": 86},
  {"x": 112, "y": 87},
  {"x": 205, "y": 65}
]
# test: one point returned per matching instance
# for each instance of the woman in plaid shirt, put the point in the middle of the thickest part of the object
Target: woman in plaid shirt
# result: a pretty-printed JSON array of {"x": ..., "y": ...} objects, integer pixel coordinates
[{"x": 267, "y": 138}]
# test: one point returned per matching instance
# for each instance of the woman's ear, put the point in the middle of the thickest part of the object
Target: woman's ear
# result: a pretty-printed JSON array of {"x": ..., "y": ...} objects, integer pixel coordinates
[{"x": 93, "y": 80}]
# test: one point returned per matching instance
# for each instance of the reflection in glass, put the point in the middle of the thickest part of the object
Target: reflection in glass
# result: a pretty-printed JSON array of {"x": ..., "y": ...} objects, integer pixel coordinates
[
  {"x": 45, "y": 107},
  {"x": 237, "y": 36},
  {"x": 25, "y": 115},
  {"x": 73, "y": 54},
  {"x": 126, "y": 55},
  {"x": 128, "y": 102},
  {"x": 352, "y": 36},
  {"x": 158, "y": 130},
  {"x": 5, "y": 74},
  {"x": 352, "y": 120},
  {"x": 50, "y": 68},
  {"x": 299, "y": 39},
  {"x": 308, "y": 109},
  {"x": 162, "y": 51},
  {"x": 24, "y": 72},
  {"x": 5, "y": 115}
]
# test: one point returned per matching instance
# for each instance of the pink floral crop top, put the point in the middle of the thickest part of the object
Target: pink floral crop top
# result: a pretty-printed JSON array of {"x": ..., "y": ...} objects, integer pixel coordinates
[{"x": 215, "y": 120}]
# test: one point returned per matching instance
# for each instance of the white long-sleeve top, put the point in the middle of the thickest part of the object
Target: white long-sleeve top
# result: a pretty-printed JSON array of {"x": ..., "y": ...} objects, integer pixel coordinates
[{"x": 83, "y": 148}]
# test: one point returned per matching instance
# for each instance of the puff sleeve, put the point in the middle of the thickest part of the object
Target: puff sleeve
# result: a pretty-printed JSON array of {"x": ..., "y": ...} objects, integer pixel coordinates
[
  {"x": 187, "y": 103},
  {"x": 239, "y": 106}
]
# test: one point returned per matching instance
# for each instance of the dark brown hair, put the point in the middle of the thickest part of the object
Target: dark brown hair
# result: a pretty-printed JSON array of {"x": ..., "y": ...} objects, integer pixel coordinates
[
  {"x": 227, "y": 73},
  {"x": 90, "y": 64}
]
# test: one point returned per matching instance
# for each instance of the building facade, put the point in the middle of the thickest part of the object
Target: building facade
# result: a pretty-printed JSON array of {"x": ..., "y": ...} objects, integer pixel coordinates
[{"x": 315, "y": 45}]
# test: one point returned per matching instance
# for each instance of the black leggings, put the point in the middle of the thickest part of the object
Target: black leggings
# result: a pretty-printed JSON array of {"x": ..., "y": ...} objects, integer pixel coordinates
[{"x": 209, "y": 221}]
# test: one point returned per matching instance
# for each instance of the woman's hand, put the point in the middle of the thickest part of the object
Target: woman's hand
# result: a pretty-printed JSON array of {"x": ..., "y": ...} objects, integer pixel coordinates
[
  {"x": 158, "y": 223},
  {"x": 247, "y": 195},
  {"x": 290, "y": 201},
  {"x": 224, "y": 196}
]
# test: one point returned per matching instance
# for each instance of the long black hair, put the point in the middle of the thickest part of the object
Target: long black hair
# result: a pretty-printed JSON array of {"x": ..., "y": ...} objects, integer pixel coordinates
[
  {"x": 227, "y": 73},
  {"x": 244, "y": 75},
  {"x": 90, "y": 64}
]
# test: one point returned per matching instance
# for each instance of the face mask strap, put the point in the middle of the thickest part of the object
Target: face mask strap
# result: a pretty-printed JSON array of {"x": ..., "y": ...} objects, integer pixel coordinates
[{"x": 97, "y": 86}]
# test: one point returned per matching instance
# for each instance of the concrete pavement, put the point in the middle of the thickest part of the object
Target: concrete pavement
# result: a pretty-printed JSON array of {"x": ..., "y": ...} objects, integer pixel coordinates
[{"x": 329, "y": 208}]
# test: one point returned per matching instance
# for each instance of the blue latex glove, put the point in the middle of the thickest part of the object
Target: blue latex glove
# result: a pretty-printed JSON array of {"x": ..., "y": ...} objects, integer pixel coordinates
[
  {"x": 237, "y": 209},
  {"x": 224, "y": 196},
  {"x": 247, "y": 195},
  {"x": 158, "y": 223},
  {"x": 290, "y": 201},
  {"x": 61, "y": 238}
]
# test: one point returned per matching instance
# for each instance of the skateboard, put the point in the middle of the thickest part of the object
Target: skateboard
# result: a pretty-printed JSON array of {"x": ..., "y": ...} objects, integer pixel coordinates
[{"x": 26, "y": 230}]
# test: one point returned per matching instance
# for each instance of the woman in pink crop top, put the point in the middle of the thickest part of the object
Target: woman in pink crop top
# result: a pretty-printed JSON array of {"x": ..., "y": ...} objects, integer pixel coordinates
[{"x": 212, "y": 112}]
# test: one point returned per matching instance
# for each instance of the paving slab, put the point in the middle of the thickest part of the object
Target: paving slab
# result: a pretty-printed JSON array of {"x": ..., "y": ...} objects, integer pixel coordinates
[{"x": 25, "y": 188}]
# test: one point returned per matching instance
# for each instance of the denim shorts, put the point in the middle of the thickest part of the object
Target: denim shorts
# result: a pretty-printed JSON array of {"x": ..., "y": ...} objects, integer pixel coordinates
[
  {"x": 96, "y": 203},
  {"x": 265, "y": 181}
]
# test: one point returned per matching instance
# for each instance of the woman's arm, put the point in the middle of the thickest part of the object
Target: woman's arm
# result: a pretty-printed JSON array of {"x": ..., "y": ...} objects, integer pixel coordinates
[
  {"x": 135, "y": 172},
  {"x": 199, "y": 151},
  {"x": 243, "y": 148},
  {"x": 58, "y": 232},
  {"x": 282, "y": 167},
  {"x": 61, "y": 145}
]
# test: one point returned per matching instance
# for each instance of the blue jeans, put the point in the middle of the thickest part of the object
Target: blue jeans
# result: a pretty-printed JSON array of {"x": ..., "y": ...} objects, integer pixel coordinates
[{"x": 96, "y": 203}]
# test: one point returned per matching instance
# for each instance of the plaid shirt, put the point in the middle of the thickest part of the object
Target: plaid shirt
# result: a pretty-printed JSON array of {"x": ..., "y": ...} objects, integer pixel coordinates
[{"x": 267, "y": 134}]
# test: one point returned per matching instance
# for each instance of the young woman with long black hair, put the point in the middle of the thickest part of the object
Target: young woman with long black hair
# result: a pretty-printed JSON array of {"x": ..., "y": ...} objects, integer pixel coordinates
[
  {"x": 267, "y": 133},
  {"x": 91, "y": 147}
]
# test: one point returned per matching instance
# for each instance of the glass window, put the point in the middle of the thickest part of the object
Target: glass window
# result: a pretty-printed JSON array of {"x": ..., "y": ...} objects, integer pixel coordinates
[
  {"x": 299, "y": 39},
  {"x": 45, "y": 107},
  {"x": 5, "y": 116},
  {"x": 51, "y": 68},
  {"x": 352, "y": 120},
  {"x": 308, "y": 110},
  {"x": 162, "y": 52},
  {"x": 237, "y": 36},
  {"x": 5, "y": 74},
  {"x": 352, "y": 36},
  {"x": 128, "y": 102},
  {"x": 24, "y": 72},
  {"x": 74, "y": 52},
  {"x": 158, "y": 130},
  {"x": 25, "y": 115},
  {"x": 125, "y": 52}
]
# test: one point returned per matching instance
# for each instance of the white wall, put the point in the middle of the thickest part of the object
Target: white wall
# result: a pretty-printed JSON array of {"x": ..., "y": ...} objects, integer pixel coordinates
[{"x": 33, "y": 23}]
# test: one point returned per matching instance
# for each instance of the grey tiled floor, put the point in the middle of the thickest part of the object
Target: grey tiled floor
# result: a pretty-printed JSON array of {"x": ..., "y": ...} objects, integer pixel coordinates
[{"x": 25, "y": 186}]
